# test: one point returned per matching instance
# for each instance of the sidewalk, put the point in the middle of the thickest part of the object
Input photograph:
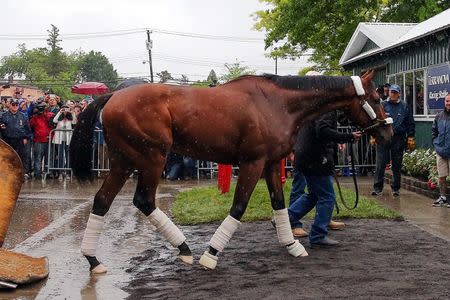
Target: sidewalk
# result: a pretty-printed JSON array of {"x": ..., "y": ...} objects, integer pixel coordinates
[{"x": 415, "y": 208}]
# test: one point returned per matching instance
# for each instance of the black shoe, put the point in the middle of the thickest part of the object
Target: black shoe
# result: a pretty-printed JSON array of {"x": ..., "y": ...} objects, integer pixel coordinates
[
  {"x": 376, "y": 193},
  {"x": 441, "y": 201},
  {"x": 396, "y": 193},
  {"x": 325, "y": 242}
]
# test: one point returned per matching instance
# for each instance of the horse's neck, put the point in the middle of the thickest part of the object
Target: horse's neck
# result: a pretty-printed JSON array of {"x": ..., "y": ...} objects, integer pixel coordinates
[{"x": 305, "y": 106}]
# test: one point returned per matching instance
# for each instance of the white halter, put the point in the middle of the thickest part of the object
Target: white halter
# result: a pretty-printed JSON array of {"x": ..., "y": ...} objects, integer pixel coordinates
[{"x": 366, "y": 106}]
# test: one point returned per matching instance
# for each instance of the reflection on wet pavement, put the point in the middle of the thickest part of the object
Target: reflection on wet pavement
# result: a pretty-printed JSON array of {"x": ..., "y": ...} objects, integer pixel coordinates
[
  {"x": 415, "y": 208},
  {"x": 49, "y": 220}
]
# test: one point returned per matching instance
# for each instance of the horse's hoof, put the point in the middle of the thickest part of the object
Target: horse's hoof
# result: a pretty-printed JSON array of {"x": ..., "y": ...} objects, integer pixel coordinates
[
  {"x": 100, "y": 269},
  {"x": 297, "y": 249},
  {"x": 187, "y": 259},
  {"x": 208, "y": 260}
]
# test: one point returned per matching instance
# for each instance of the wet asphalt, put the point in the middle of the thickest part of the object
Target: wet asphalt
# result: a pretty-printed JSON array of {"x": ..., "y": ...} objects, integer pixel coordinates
[{"x": 50, "y": 218}]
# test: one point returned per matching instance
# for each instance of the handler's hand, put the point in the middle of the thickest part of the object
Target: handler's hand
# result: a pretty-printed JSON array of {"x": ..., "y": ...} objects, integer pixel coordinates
[
  {"x": 356, "y": 136},
  {"x": 373, "y": 141}
]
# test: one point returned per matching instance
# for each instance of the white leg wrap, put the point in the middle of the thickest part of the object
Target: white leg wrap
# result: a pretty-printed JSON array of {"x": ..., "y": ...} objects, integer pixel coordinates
[
  {"x": 224, "y": 233},
  {"x": 166, "y": 228},
  {"x": 285, "y": 236},
  {"x": 284, "y": 231},
  {"x": 92, "y": 234}
]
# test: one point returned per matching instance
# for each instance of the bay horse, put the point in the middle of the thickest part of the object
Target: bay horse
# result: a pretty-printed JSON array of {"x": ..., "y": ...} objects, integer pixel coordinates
[{"x": 251, "y": 121}]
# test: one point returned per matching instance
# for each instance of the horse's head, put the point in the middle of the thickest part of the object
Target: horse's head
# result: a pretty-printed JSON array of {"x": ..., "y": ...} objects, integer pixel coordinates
[{"x": 368, "y": 112}]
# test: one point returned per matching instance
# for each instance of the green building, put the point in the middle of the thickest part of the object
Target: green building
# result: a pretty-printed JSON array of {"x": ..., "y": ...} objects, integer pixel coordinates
[{"x": 414, "y": 56}]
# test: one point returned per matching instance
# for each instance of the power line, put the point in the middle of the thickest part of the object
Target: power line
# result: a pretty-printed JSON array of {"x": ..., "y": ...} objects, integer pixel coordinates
[{"x": 89, "y": 35}]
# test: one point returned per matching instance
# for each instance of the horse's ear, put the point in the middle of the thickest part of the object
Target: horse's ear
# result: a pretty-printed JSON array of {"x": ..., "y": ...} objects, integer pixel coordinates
[{"x": 368, "y": 75}]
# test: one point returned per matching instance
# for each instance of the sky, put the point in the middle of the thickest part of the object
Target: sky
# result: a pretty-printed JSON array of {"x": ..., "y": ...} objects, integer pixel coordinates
[{"x": 29, "y": 21}]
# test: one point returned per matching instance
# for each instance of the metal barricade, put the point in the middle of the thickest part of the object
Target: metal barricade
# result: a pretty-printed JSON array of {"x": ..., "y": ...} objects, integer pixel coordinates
[
  {"x": 100, "y": 161},
  {"x": 58, "y": 161},
  {"x": 58, "y": 158},
  {"x": 364, "y": 153}
]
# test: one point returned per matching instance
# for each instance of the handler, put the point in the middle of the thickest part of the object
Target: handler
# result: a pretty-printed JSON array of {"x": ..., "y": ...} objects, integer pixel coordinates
[{"x": 316, "y": 150}]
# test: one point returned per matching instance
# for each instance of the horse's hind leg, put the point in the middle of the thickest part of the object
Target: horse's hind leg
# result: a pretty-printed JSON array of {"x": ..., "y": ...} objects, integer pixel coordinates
[
  {"x": 284, "y": 232},
  {"x": 102, "y": 201},
  {"x": 144, "y": 200},
  {"x": 249, "y": 173}
]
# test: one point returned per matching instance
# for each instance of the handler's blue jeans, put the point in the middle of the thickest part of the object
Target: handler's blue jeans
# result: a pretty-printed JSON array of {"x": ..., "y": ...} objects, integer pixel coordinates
[
  {"x": 298, "y": 186},
  {"x": 321, "y": 195}
]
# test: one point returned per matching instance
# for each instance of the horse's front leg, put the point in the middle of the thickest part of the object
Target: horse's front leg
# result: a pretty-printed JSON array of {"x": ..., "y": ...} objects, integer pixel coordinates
[
  {"x": 284, "y": 231},
  {"x": 102, "y": 202},
  {"x": 249, "y": 173}
]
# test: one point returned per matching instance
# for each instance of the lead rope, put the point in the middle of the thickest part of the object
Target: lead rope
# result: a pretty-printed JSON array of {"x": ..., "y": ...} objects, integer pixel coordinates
[{"x": 352, "y": 157}]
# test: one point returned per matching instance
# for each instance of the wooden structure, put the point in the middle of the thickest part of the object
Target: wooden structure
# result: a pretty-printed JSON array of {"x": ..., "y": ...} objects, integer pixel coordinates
[{"x": 414, "y": 56}]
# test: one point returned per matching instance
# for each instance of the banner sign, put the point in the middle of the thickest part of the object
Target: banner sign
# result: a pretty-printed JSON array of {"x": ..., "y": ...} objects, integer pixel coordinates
[{"x": 438, "y": 86}]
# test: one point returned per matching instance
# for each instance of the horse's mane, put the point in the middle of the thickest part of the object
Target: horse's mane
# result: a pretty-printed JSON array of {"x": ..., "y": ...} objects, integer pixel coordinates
[{"x": 302, "y": 82}]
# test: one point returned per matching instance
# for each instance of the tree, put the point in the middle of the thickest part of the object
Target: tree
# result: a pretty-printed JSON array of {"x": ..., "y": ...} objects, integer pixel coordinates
[
  {"x": 235, "y": 70},
  {"x": 95, "y": 66},
  {"x": 56, "y": 60},
  {"x": 184, "y": 79},
  {"x": 326, "y": 26},
  {"x": 164, "y": 76},
  {"x": 212, "y": 77},
  {"x": 54, "y": 70}
]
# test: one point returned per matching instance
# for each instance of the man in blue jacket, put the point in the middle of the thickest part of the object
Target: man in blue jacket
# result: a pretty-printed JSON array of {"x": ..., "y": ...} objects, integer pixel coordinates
[
  {"x": 441, "y": 143},
  {"x": 404, "y": 128},
  {"x": 15, "y": 129}
]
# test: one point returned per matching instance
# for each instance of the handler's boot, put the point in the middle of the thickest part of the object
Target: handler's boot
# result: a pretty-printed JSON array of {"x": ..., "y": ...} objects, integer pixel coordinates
[
  {"x": 299, "y": 232},
  {"x": 334, "y": 225}
]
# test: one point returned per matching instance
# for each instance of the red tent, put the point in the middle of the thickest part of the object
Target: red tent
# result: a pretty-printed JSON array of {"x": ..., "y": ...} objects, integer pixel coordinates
[{"x": 90, "y": 88}]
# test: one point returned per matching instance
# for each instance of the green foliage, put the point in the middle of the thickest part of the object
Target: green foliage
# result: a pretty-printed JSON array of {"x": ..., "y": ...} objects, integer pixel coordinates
[
  {"x": 201, "y": 83},
  {"x": 206, "y": 204},
  {"x": 235, "y": 70},
  {"x": 164, "y": 76},
  {"x": 419, "y": 163},
  {"x": 95, "y": 66},
  {"x": 54, "y": 70},
  {"x": 184, "y": 79},
  {"x": 212, "y": 77},
  {"x": 56, "y": 60},
  {"x": 327, "y": 26}
]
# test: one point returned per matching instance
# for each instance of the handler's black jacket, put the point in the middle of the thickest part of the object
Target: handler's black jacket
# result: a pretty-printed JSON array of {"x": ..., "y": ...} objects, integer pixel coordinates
[{"x": 316, "y": 144}]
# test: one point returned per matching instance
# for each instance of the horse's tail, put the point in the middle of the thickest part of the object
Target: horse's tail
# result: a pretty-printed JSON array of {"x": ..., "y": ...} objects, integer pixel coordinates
[{"x": 82, "y": 139}]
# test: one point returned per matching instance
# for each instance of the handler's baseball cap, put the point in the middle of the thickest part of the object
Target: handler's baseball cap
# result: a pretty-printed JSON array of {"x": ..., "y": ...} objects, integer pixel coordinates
[{"x": 394, "y": 88}]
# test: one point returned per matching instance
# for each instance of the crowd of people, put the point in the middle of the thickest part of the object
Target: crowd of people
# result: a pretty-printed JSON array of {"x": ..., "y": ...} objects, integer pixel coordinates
[
  {"x": 27, "y": 125},
  {"x": 30, "y": 126}
]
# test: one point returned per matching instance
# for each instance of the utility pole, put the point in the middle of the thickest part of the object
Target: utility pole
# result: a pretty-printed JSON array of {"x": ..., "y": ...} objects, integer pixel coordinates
[
  {"x": 276, "y": 65},
  {"x": 149, "y": 44}
]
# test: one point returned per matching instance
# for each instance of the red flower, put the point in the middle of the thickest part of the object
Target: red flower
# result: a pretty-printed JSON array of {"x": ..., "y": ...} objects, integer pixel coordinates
[{"x": 431, "y": 185}]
